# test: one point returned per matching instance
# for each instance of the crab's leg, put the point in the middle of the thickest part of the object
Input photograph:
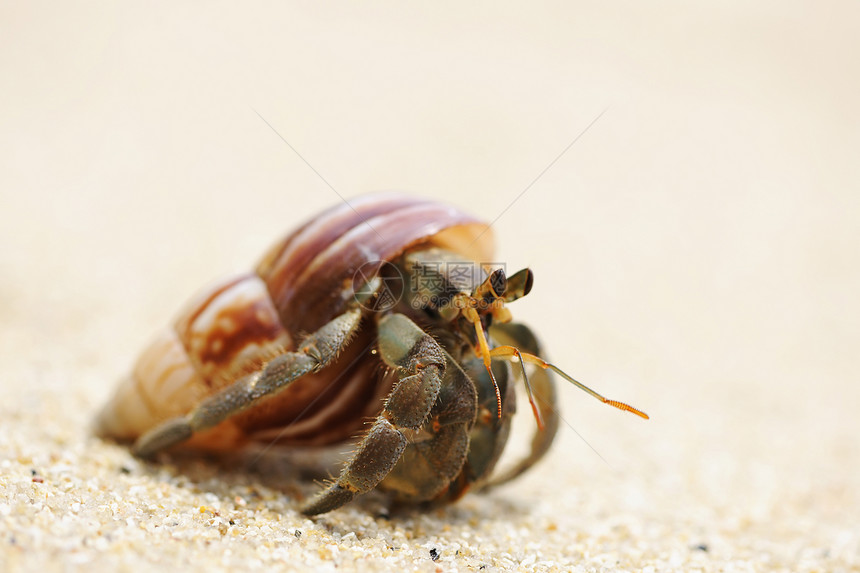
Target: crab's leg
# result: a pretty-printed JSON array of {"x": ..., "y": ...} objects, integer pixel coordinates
[
  {"x": 543, "y": 391},
  {"x": 429, "y": 466},
  {"x": 316, "y": 351},
  {"x": 421, "y": 365}
]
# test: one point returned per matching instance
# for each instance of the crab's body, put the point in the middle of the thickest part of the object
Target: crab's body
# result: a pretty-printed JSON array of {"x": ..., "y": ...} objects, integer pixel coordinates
[{"x": 322, "y": 345}]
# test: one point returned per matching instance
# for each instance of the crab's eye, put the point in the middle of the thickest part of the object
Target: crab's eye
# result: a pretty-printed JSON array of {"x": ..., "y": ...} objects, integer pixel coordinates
[
  {"x": 492, "y": 288},
  {"x": 498, "y": 282},
  {"x": 519, "y": 285}
]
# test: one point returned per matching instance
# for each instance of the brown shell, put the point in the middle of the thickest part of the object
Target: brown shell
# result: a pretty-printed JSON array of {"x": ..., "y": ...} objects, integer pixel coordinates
[
  {"x": 305, "y": 280},
  {"x": 306, "y": 273}
]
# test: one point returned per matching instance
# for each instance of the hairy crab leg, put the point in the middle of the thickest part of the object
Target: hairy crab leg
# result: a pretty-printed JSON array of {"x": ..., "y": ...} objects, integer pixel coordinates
[
  {"x": 420, "y": 363},
  {"x": 429, "y": 466},
  {"x": 317, "y": 350}
]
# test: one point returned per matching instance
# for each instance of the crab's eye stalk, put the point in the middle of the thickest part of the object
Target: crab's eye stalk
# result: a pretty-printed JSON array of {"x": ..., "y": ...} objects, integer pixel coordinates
[
  {"x": 498, "y": 282},
  {"x": 493, "y": 287},
  {"x": 519, "y": 285}
]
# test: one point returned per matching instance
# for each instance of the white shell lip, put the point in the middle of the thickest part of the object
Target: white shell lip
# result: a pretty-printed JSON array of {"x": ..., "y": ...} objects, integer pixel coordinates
[{"x": 162, "y": 384}]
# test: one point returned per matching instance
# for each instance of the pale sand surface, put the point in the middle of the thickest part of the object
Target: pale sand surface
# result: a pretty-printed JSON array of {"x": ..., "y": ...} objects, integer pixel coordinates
[{"x": 696, "y": 254}]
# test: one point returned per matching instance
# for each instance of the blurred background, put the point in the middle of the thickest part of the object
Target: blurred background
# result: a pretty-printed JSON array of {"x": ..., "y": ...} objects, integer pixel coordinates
[{"x": 695, "y": 249}]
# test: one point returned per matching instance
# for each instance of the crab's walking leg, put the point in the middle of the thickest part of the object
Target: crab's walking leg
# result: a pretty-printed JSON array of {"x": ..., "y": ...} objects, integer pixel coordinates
[
  {"x": 428, "y": 466},
  {"x": 316, "y": 351},
  {"x": 420, "y": 362},
  {"x": 543, "y": 390}
]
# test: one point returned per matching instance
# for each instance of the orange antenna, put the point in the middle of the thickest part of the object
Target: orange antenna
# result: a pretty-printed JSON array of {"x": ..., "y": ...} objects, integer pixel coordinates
[
  {"x": 484, "y": 351},
  {"x": 581, "y": 386},
  {"x": 507, "y": 351},
  {"x": 535, "y": 410}
]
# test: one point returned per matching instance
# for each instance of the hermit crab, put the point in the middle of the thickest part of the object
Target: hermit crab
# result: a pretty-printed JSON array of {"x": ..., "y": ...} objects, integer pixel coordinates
[{"x": 379, "y": 323}]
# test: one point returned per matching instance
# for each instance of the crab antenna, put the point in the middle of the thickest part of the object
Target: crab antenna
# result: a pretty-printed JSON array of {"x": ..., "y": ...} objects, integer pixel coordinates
[
  {"x": 581, "y": 386},
  {"x": 528, "y": 385},
  {"x": 485, "y": 353},
  {"x": 511, "y": 351}
]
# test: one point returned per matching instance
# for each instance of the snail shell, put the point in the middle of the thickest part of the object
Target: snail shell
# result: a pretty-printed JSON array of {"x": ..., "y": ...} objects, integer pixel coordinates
[{"x": 233, "y": 327}]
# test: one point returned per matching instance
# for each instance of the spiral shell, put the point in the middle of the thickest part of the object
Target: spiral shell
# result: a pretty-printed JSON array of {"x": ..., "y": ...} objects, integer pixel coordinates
[{"x": 233, "y": 327}]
